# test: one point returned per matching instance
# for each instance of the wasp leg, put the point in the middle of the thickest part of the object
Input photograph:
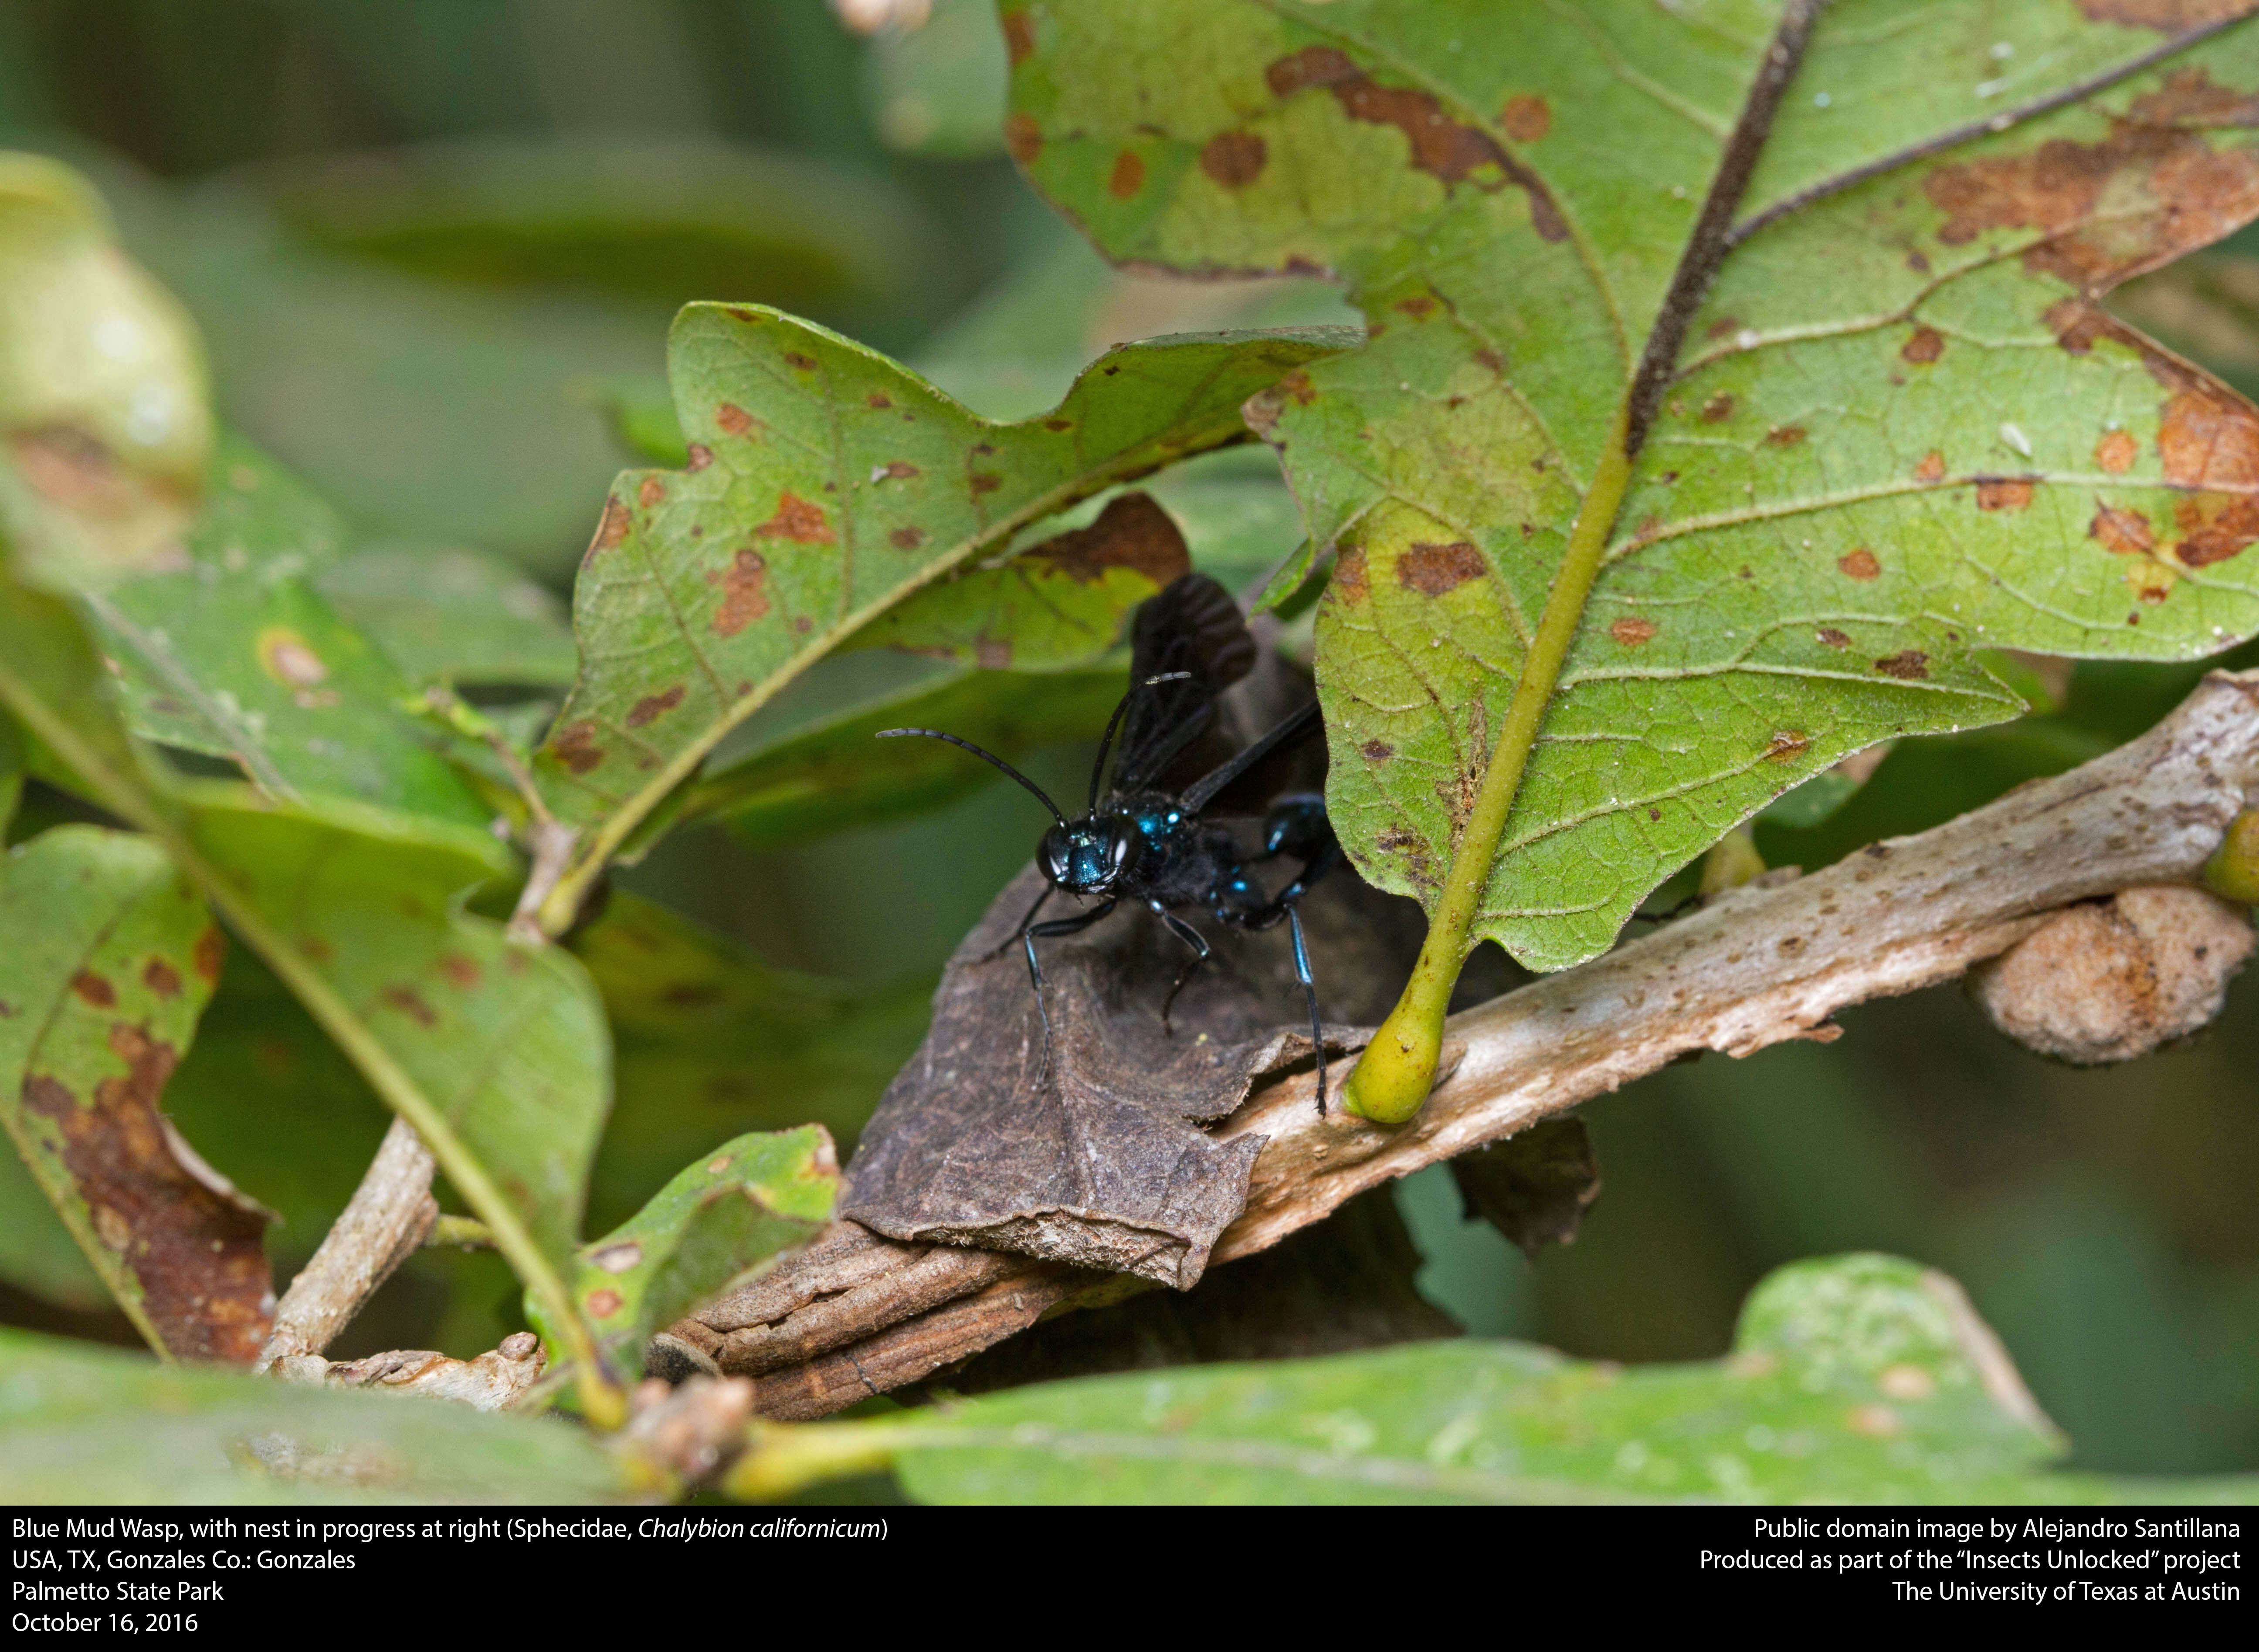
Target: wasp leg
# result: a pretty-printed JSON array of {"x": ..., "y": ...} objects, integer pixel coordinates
[
  {"x": 1028, "y": 937},
  {"x": 1191, "y": 938},
  {"x": 1310, "y": 995},
  {"x": 1285, "y": 904},
  {"x": 1027, "y": 918}
]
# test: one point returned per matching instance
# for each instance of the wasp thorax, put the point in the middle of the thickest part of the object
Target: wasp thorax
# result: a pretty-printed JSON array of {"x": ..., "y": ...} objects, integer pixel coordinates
[{"x": 1089, "y": 856}]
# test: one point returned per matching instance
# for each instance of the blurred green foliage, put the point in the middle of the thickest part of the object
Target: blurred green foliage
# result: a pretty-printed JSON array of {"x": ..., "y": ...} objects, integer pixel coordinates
[{"x": 432, "y": 245}]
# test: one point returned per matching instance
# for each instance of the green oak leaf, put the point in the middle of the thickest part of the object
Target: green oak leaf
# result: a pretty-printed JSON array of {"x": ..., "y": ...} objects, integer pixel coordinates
[
  {"x": 1061, "y": 603},
  {"x": 1853, "y": 1379},
  {"x": 37, "y": 1255},
  {"x": 509, "y": 1043},
  {"x": 497, "y": 1054},
  {"x": 826, "y": 484},
  {"x": 111, "y": 959},
  {"x": 719, "y": 1220},
  {"x": 86, "y": 1425},
  {"x": 1885, "y": 426},
  {"x": 236, "y": 653}
]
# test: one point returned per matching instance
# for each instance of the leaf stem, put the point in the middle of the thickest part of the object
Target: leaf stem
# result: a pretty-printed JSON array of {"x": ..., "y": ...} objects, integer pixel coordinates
[
  {"x": 784, "y": 1457},
  {"x": 600, "y": 1398},
  {"x": 1393, "y": 1077}
]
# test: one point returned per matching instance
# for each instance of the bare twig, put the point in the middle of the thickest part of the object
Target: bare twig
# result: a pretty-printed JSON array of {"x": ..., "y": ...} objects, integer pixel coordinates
[
  {"x": 391, "y": 1212},
  {"x": 490, "y": 1383},
  {"x": 857, "y": 1315}
]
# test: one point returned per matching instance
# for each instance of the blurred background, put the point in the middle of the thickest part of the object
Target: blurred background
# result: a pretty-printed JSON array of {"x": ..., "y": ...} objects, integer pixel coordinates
[{"x": 433, "y": 247}]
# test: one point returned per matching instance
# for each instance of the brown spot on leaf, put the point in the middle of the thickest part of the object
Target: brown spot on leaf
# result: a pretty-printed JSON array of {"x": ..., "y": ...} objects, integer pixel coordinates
[
  {"x": 795, "y": 360},
  {"x": 605, "y": 1303},
  {"x": 1376, "y": 750},
  {"x": 907, "y": 538},
  {"x": 210, "y": 951},
  {"x": 2124, "y": 532},
  {"x": 1859, "y": 564},
  {"x": 798, "y": 520},
  {"x": 654, "y": 706},
  {"x": 411, "y": 1003},
  {"x": 1128, "y": 177},
  {"x": 651, "y": 492},
  {"x": 76, "y": 470},
  {"x": 1932, "y": 468},
  {"x": 1023, "y": 138},
  {"x": 1234, "y": 159},
  {"x": 2169, "y": 193},
  {"x": 611, "y": 528},
  {"x": 95, "y": 989},
  {"x": 575, "y": 745},
  {"x": 2003, "y": 492},
  {"x": 2116, "y": 452},
  {"x": 1447, "y": 150},
  {"x": 878, "y": 399},
  {"x": 700, "y": 456},
  {"x": 2209, "y": 441},
  {"x": 1717, "y": 410},
  {"x": 458, "y": 970},
  {"x": 1525, "y": 119},
  {"x": 1926, "y": 344},
  {"x": 895, "y": 470},
  {"x": 1419, "y": 306},
  {"x": 2192, "y": 97},
  {"x": 161, "y": 978},
  {"x": 1787, "y": 746},
  {"x": 193, "y": 1245},
  {"x": 291, "y": 660},
  {"x": 1433, "y": 569},
  {"x": 2169, "y": 16},
  {"x": 745, "y": 593},
  {"x": 1785, "y": 436},
  {"x": 1633, "y": 632},
  {"x": 1911, "y": 666},
  {"x": 1132, "y": 533},
  {"x": 733, "y": 419},
  {"x": 1350, "y": 573},
  {"x": 1019, "y": 36},
  {"x": 1832, "y": 637}
]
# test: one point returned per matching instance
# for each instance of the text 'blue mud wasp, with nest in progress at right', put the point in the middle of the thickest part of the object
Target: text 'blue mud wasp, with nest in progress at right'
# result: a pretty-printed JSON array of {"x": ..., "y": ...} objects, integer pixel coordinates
[{"x": 1143, "y": 843}]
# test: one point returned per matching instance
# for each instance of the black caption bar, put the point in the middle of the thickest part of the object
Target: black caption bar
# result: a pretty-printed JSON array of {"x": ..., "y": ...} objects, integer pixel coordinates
[{"x": 214, "y": 1571}]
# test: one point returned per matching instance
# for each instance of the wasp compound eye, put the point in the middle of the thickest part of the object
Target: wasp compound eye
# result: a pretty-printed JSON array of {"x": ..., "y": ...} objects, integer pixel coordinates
[
  {"x": 1121, "y": 844},
  {"x": 1057, "y": 854}
]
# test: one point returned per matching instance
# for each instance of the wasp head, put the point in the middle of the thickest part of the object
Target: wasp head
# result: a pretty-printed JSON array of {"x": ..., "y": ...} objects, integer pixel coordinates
[{"x": 1090, "y": 856}]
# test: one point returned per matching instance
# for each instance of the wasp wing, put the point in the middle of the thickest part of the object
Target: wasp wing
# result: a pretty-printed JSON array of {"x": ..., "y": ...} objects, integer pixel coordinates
[
  {"x": 1202, "y": 791},
  {"x": 1194, "y": 628}
]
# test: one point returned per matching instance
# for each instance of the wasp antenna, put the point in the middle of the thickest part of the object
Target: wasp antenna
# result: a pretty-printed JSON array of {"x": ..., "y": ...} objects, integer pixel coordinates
[
  {"x": 1114, "y": 723},
  {"x": 985, "y": 757}
]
